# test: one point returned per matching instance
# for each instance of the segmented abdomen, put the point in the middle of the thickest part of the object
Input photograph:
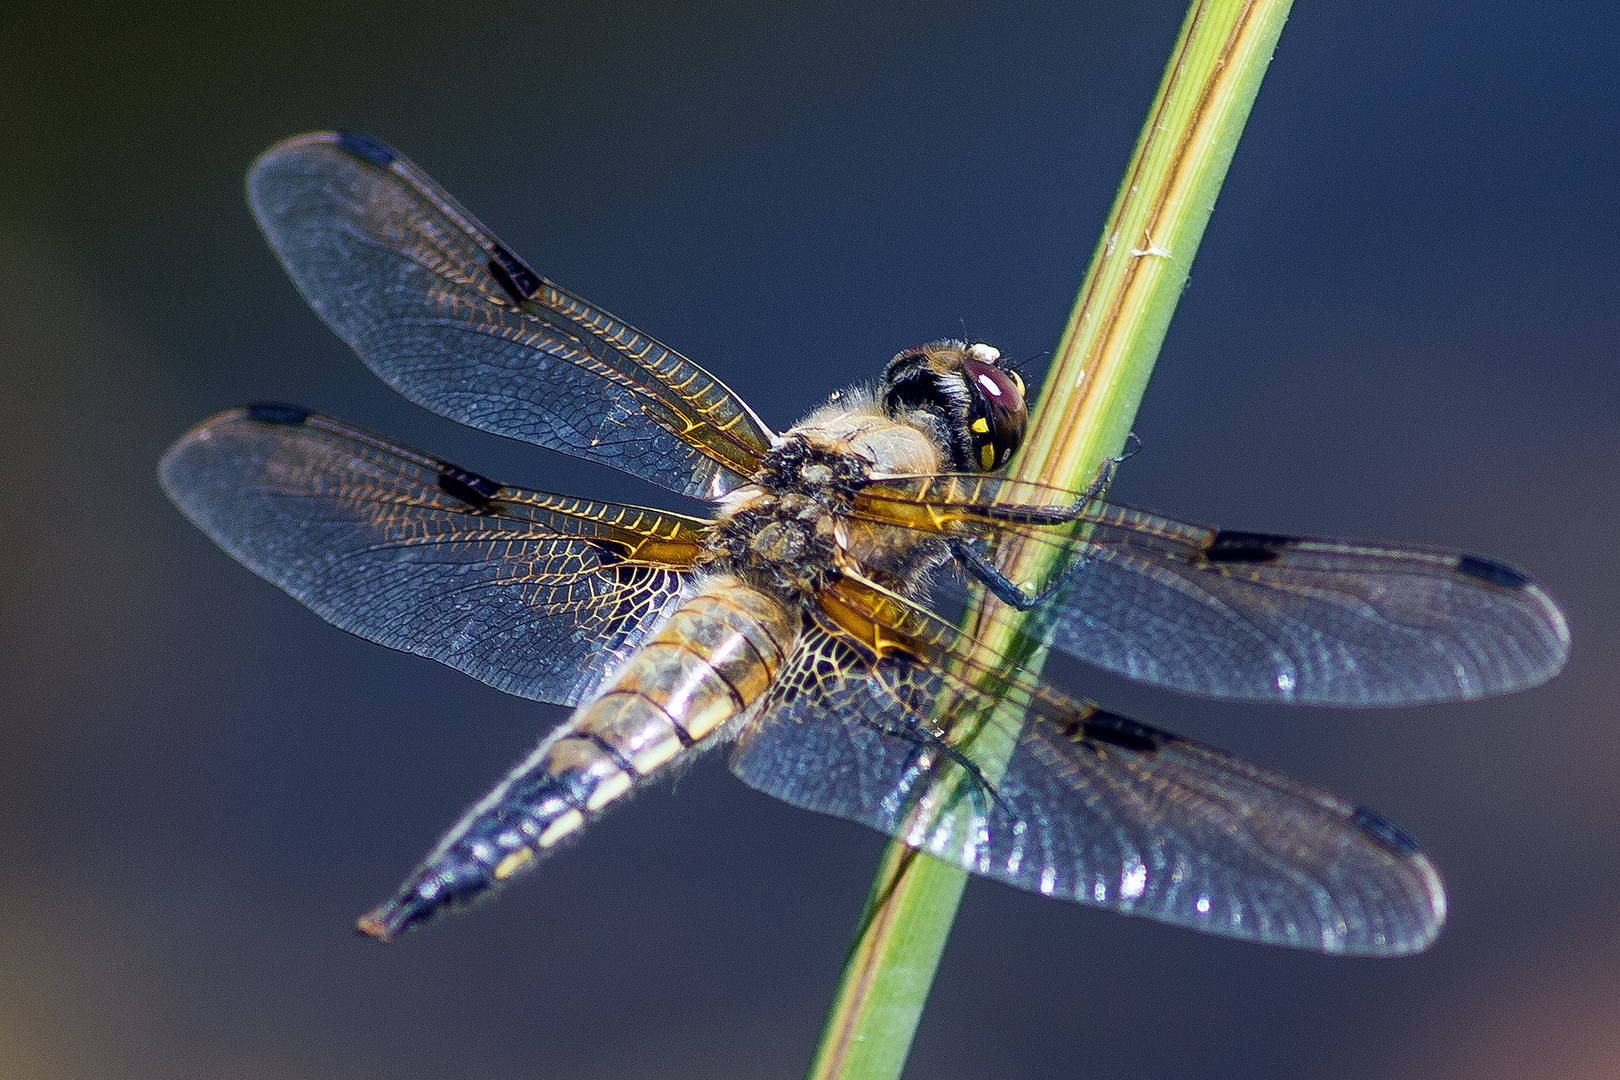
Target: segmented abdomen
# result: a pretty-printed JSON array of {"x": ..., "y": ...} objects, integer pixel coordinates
[{"x": 709, "y": 662}]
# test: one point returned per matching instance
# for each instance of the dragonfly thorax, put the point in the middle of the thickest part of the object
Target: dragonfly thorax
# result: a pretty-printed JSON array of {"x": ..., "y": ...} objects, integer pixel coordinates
[
  {"x": 784, "y": 530},
  {"x": 792, "y": 529}
]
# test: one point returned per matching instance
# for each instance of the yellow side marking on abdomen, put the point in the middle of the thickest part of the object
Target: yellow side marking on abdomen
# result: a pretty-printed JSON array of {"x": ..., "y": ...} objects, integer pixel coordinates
[
  {"x": 655, "y": 755},
  {"x": 608, "y": 790},
  {"x": 566, "y": 823},
  {"x": 705, "y": 720},
  {"x": 513, "y": 863}
]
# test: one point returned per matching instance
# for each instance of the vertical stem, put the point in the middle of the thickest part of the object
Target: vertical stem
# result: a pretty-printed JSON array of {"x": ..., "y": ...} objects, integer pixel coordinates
[{"x": 1085, "y": 411}]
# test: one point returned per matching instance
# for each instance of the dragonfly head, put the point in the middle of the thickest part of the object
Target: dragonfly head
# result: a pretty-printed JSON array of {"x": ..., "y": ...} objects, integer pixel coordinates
[{"x": 976, "y": 403}]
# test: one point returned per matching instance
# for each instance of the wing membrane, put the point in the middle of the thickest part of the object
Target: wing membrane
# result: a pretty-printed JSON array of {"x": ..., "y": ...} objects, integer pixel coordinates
[
  {"x": 532, "y": 593},
  {"x": 450, "y": 318},
  {"x": 1254, "y": 616},
  {"x": 1092, "y": 807}
]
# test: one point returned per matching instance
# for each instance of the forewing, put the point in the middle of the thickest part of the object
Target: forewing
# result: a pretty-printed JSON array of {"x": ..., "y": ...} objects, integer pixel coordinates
[
  {"x": 532, "y": 593},
  {"x": 1092, "y": 807},
  {"x": 1258, "y": 617},
  {"x": 452, "y": 319}
]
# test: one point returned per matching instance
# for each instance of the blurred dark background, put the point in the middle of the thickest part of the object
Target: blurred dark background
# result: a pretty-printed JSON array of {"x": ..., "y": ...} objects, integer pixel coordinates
[{"x": 1402, "y": 324}]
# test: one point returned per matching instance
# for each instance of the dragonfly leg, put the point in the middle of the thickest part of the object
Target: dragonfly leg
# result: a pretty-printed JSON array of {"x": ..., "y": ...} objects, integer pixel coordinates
[
  {"x": 1105, "y": 474},
  {"x": 925, "y": 739},
  {"x": 1062, "y": 515},
  {"x": 970, "y": 553}
]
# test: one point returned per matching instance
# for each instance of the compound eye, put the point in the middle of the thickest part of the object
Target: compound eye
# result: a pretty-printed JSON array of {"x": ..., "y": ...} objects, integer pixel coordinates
[{"x": 996, "y": 416}]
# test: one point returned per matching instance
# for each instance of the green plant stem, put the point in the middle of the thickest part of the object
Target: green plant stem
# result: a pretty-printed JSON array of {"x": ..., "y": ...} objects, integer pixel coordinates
[{"x": 1085, "y": 412}]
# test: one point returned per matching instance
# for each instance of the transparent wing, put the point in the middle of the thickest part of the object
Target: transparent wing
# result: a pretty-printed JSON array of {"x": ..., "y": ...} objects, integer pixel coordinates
[
  {"x": 532, "y": 593},
  {"x": 1253, "y": 616},
  {"x": 450, "y": 318},
  {"x": 1092, "y": 807}
]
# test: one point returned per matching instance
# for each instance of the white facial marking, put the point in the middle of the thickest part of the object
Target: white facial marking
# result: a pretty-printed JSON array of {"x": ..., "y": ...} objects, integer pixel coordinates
[
  {"x": 983, "y": 353},
  {"x": 989, "y": 385}
]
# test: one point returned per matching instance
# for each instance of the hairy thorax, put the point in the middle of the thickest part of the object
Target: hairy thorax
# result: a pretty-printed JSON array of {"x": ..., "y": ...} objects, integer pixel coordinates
[{"x": 790, "y": 528}]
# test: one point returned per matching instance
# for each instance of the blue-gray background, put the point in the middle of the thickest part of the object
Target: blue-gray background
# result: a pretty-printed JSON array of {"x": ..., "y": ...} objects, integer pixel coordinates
[{"x": 1402, "y": 324}]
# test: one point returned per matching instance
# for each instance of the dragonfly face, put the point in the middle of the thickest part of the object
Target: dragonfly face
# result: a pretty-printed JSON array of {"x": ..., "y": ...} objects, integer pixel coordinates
[
  {"x": 976, "y": 408},
  {"x": 793, "y": 623}
]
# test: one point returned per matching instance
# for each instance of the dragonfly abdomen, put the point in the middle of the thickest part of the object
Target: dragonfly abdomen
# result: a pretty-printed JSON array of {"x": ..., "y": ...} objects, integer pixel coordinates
[{"x": 677, "y": 695}]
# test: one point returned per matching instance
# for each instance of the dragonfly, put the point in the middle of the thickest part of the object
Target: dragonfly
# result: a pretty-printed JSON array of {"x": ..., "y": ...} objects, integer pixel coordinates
[{"x": 793, "y": 623}]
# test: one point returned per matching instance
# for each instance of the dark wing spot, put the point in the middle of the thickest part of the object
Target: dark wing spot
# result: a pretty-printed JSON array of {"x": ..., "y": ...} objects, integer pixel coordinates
[
  {"x": 1492, "y": 571},
  {"x": 1384, "y": 831},
  {"x": 1112, "y": 729},
  {"x": 608, "y": 552},
  {"x": 277, "y": 412},
  {"x": 1246, "y": 547},
  {"x": 474, "y": 490},
  {"x": 364, "y": 146},
  {"x": 517, "y": 279}
]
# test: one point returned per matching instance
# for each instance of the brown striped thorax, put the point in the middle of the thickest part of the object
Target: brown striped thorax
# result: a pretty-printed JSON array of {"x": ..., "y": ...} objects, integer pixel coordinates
[
  {"x": 939, "y": 406},
  {"x": 793, "y": 620}
]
